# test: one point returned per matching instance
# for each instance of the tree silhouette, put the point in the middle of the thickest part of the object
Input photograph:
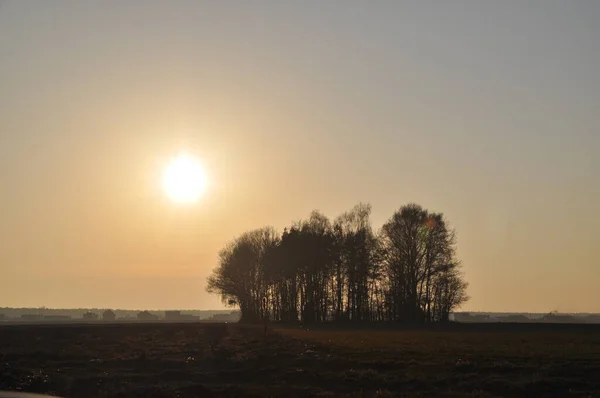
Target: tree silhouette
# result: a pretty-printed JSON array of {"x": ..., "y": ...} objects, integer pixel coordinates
[
  {"x": 356, "y": 253},
  {"x": 421, "y": 269},
  {"x": 240, "y": 278},
  {"x": 318, "y": 271}
]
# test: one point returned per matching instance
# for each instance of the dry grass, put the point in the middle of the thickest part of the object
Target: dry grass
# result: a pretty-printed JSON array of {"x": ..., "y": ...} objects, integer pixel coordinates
[
  {"x": 523, "y": 344},
  {"x": 203, "y": 360}
]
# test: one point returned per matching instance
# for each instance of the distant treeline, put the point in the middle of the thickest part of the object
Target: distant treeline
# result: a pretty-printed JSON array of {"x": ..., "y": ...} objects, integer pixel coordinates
[
  {"x": 78, "y": 312},
  {"x": 551, "y": 317},
  {"x": 343, "y": 271}
]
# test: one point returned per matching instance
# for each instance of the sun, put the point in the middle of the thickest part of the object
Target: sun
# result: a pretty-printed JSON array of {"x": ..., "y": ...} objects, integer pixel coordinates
[{"x": 184, "y": 179}]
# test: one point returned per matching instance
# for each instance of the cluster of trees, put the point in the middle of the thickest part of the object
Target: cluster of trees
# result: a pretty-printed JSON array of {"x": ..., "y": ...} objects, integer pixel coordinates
[{"x": 323, "y": 271}]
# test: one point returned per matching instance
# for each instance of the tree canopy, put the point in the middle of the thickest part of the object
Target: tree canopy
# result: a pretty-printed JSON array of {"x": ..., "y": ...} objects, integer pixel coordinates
[{"x": 323, "y": 271}]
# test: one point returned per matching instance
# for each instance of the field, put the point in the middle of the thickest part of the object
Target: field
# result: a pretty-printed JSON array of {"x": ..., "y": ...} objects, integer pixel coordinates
[{"x": 204, "y": 360}]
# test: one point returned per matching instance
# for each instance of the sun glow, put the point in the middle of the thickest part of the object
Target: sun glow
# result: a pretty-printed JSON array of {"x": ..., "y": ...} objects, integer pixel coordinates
[{"x": 184, "y": 179}]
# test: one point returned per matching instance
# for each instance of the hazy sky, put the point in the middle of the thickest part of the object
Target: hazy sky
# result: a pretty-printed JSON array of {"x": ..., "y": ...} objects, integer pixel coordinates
[{"x": 484, "y": 110}]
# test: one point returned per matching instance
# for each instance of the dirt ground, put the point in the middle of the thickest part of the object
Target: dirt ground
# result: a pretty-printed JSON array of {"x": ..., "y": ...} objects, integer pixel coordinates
[{"x": 205, "y": 360}]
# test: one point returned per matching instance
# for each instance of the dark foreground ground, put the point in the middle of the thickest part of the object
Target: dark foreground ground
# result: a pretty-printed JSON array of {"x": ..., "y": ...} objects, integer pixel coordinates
[{"x": 204, "y": 360}]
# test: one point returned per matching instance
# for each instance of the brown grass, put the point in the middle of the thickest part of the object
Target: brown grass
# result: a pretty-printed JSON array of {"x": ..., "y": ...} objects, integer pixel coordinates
[
  {"x": 202, "y": 360},
  {"x": 526, "y": 344}
]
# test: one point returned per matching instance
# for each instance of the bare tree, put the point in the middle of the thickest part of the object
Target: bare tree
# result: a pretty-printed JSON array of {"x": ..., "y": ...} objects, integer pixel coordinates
[
  {"x": 240, "y": 278},
  {"x": 357, "y": 245},
  {"x": 419, "y": 256}
]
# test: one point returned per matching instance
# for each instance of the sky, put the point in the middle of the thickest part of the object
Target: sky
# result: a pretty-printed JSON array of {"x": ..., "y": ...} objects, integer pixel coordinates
[{"x": 485, "y": 111}]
